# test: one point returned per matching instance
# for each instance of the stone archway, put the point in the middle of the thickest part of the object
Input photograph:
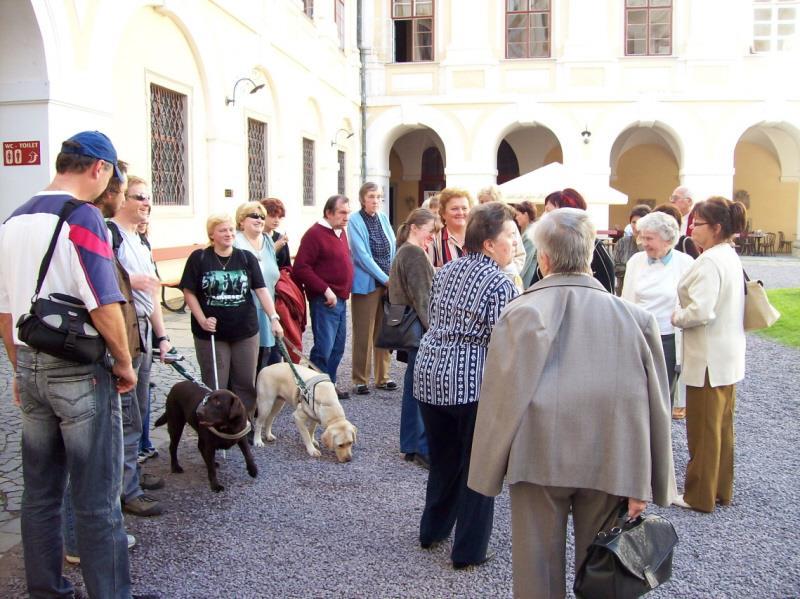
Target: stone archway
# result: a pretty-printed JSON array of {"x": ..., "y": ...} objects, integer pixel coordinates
[
  {"x": 25, "y": 109},
  {"x": 417, "y": 165},
  {"x": 767, "y": 168},
  {"x": 644, "y": 164},
  {"x": 524, "y": 149}
]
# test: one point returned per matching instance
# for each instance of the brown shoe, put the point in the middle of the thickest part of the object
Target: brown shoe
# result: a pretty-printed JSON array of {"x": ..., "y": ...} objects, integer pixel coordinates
[
  {"x": 678, "y": 413},
  {"x": 143, "y": 505}
]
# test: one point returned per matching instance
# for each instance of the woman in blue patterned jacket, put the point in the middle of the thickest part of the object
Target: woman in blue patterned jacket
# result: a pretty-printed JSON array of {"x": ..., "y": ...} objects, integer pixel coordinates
[{"x": 466, "y": 299}]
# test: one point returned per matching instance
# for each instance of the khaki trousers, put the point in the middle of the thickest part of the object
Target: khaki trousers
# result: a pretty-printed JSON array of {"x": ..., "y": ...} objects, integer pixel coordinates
[
  {"x": 367, "y": 310},
  {"x": 539, "y": 534},
  {"x": 710, "y": 436}
]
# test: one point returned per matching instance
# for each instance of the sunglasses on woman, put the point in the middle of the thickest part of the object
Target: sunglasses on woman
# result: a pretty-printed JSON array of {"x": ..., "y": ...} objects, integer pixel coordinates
[{"x": 255, "y": 215}]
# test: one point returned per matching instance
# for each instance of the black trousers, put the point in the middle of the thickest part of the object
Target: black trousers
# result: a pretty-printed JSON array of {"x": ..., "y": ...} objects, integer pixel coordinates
[
  {"x": 668, "y": 345},
  {"x": 448, "y": 501}
]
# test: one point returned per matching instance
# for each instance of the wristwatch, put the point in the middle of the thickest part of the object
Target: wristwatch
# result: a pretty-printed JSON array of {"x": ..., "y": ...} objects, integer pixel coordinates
[
  {"x": 275, "y": 316},
  {"x": 162, "y": 338}
]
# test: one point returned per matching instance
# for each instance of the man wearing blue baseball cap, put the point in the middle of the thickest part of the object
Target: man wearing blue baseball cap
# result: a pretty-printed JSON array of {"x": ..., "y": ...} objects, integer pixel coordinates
[
  {"x": 71, "y": 422},
  {"x": 94, "y": 145}
]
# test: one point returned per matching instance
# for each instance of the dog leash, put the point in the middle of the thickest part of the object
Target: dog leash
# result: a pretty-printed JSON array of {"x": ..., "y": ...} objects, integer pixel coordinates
[
  {"x": 300, "y": 353},
  {"x": 301, "y": 384}
]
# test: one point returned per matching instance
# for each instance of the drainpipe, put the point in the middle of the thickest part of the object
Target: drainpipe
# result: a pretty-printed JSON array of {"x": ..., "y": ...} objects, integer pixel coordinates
[{"x": 362, "y": 52}]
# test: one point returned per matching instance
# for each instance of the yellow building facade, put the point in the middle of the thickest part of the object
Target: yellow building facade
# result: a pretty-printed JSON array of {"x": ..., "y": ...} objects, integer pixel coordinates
[{"x": 642, "y": 95}]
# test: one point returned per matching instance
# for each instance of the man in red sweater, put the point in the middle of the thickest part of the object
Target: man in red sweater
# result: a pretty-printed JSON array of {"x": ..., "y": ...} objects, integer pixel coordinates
[{"x": 324, "y": 267}]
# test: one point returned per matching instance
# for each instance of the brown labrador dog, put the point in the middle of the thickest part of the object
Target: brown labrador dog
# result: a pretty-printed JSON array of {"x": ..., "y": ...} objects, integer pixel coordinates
[{"x": 219, "y": 418}]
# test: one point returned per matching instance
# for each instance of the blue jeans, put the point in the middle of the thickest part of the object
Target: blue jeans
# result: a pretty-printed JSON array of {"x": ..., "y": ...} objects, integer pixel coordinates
[
  {"x": 68, "y": 523},
  {"x": 131, "y": 435},
  {"x": 330, "y": 332},
  {"x": 412, "y": 429},
  {"x": 71, "y": 425},
  {"x": 145, "y": 442},
  {"x": 143, "y": 391}
]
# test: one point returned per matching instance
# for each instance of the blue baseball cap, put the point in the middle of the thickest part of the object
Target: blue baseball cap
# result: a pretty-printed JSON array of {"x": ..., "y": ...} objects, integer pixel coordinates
[{"x": 95, "y": 145}]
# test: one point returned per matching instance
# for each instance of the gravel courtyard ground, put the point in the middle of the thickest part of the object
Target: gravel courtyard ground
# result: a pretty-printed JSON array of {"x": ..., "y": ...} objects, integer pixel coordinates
[{"x": 316, "y": 528}]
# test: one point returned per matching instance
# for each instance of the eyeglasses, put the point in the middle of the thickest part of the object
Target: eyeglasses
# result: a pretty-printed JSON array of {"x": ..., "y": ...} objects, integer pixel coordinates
[
  {"x": 255, "y": 215},
  {"x": 141, "y": 197}
]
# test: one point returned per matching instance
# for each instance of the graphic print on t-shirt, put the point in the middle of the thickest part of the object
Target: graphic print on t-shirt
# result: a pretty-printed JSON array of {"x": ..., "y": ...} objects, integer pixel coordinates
[{"x": 226, "y": 288}]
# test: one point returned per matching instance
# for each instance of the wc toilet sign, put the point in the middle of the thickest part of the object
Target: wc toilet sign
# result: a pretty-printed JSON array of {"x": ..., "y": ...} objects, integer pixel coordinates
[{"x": 21, "y": 153}]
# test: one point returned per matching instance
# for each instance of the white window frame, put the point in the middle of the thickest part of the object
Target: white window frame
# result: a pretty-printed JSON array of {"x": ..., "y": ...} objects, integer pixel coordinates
[{"x": 776, "y": 40}]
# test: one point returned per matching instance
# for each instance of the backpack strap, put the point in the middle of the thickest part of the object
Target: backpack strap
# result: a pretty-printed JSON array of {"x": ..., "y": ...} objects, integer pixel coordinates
[
  {"x": 116, "y": 236},
  {"x": 66, "y": 210}
]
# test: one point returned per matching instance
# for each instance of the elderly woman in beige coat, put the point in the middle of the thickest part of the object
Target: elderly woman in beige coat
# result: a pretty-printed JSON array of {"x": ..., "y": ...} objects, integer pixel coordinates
[{"x": 571, "y": 426}]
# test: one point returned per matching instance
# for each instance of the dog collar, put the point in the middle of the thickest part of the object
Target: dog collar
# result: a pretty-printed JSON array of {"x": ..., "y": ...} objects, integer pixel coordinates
[{"x": 233, "y": 436}]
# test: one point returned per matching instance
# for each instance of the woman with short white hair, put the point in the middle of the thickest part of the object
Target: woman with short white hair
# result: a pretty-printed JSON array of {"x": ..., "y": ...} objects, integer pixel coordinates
[{"x": 651, "y": 279}]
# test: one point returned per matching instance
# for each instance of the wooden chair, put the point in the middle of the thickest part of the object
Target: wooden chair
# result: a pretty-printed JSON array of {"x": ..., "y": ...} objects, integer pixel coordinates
[
  {"x": 768, "y": 244},
  {"x": 784, "y": 245},
  {"x": 748, "y": 244}
]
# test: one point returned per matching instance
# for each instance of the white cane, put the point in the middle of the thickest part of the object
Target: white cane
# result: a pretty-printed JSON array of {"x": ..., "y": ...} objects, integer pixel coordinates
[
  {"x": 214, "y": 358},
  {"x": 216, "y": 379}
]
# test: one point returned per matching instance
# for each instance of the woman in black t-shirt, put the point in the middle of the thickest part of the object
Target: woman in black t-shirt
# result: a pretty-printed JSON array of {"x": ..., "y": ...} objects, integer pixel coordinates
[{"x": 216, "y": 284}]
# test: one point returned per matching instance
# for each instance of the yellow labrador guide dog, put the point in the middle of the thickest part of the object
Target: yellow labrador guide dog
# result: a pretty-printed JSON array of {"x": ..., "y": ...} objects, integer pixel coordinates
[{"x": 276, "y": 386}]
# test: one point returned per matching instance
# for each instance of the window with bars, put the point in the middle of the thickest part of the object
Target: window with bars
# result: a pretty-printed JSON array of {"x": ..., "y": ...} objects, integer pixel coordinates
[
  {"x": 413, "y": 30},
  {"x": 648, "y": 27},
  {"x": 527, "y": 28},
  {"x": 342, "y": 173},
  {"x": 338, "y": 16},
  {"x": 775, "y": 25},
  {"x": 256, "y": 159},
  {"x": 308, "y": 8},
  {"x": 168, "y": 146},
  {"x": 308, "y": 172}
]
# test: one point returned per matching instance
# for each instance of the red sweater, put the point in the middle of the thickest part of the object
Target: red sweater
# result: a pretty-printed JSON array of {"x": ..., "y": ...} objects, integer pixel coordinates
[{"x": 322, "y": 261}]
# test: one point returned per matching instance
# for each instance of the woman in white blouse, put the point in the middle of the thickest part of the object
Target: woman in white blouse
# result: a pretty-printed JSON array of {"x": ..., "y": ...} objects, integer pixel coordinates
[
  {"x": 711, "y": 315},
  {"x": 651, "y": 278}
]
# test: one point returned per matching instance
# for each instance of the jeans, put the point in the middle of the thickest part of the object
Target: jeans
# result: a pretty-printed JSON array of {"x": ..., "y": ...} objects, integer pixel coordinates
[
  {"x": 145, "y": 442},
  {"x": 131, "y": 435},
  {"x": 68, "y": 523},
  {"x": 412, "y": 429},
  {"x": 143, "y": 393},
  {"x": 71, "y": 425},
  {"x": 329, "y": 325}
]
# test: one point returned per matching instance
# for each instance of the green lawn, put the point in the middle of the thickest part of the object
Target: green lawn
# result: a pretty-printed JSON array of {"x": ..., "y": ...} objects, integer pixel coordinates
[{"x": 787, "y": 329}]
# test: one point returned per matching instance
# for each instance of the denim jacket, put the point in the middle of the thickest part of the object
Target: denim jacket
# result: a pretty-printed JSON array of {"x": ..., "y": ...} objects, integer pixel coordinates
[{"x": 366, "y": 271}]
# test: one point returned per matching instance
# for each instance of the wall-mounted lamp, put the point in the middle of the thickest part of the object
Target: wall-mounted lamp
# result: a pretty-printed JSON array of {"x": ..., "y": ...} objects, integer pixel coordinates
[
  {"x": 232, "y": 99},
  {"x": 336, "y": 135},
  {"x": 586, "y": 134}
]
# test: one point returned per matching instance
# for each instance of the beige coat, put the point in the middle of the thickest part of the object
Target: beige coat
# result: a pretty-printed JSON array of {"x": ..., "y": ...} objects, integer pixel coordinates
[
  {"x": 711, "y": 294},
  {"x": 575, "y": 395}
]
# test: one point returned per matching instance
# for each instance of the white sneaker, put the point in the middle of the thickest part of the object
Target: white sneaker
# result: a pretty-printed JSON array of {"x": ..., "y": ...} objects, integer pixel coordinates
[
  {"x": 680, "y": 502},
  {"x": 75, "y": 560}
]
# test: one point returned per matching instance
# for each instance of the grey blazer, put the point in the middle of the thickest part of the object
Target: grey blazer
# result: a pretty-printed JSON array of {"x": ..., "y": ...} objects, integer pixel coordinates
[{"x": 575, "y": 394}]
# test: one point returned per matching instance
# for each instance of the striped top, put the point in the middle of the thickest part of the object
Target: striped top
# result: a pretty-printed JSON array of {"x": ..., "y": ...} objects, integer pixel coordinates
[
  {"x": 82, "y": 265},
  {"x": 467, "y": 297}
]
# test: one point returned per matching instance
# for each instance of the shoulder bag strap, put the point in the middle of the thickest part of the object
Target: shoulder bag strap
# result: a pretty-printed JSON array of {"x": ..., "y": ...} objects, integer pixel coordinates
[{"x": 66, "y": 210}]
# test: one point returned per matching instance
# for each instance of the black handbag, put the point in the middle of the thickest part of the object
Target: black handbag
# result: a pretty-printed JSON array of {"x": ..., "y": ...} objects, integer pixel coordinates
[
  {"x": 60, "y": 325},
  {"x": 627, "y": 559},
  {"x": 401, "y": 328}
]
